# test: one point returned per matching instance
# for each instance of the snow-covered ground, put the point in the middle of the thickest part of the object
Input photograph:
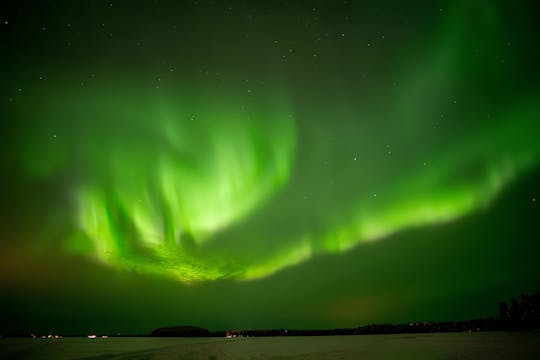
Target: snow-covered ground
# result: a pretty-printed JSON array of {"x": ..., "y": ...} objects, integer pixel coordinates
[{"x": 401, "y": 346}]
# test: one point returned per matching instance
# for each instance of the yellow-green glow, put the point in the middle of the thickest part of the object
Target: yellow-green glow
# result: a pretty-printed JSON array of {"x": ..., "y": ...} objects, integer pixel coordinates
[
  {"x": 200, "y": 182},
  {"x": 200, "y": 173}
]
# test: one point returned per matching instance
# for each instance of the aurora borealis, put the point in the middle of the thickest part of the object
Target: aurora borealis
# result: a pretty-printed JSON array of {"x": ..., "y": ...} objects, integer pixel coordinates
[{"x": 290, "y": 164}]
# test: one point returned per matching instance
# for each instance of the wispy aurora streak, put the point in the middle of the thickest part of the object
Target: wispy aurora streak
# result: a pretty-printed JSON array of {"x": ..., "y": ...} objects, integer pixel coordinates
[
  {"x": 163, "y": 178},
  {"x": 211, "y": 168}
]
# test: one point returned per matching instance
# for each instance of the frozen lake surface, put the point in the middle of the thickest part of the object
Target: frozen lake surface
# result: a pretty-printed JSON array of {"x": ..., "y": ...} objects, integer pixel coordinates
[{"x": 488, "y": 345}]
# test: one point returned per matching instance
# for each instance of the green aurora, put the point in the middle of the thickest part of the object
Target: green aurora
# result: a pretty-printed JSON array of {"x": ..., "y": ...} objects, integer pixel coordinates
[{"x": 211, "y": 168}]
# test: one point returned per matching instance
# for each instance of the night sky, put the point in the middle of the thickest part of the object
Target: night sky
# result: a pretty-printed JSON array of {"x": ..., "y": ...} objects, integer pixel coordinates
[{"x": 278, "y": 164}]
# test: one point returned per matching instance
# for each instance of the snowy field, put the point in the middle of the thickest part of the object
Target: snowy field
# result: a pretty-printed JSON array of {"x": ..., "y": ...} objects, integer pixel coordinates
[{"x": 403, "y": 346}]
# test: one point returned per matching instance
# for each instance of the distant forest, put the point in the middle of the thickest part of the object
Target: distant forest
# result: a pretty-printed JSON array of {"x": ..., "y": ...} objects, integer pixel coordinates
[
  {"x": 521, "y": 314},
  {"x": 518, "y": 315}
]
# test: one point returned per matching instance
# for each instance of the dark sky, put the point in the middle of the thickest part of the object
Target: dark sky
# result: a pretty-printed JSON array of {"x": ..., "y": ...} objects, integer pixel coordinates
[{"x": 284, "y": 164}]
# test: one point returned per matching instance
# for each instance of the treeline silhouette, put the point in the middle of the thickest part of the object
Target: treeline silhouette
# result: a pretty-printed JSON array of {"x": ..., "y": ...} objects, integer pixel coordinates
[
  {"x": 520, "y": 315},
  {"x": 517, "y": 315}
]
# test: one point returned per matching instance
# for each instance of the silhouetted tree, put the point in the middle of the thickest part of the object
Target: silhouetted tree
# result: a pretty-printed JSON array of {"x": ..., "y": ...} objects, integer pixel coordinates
[{"x": 503, "y": 311}]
